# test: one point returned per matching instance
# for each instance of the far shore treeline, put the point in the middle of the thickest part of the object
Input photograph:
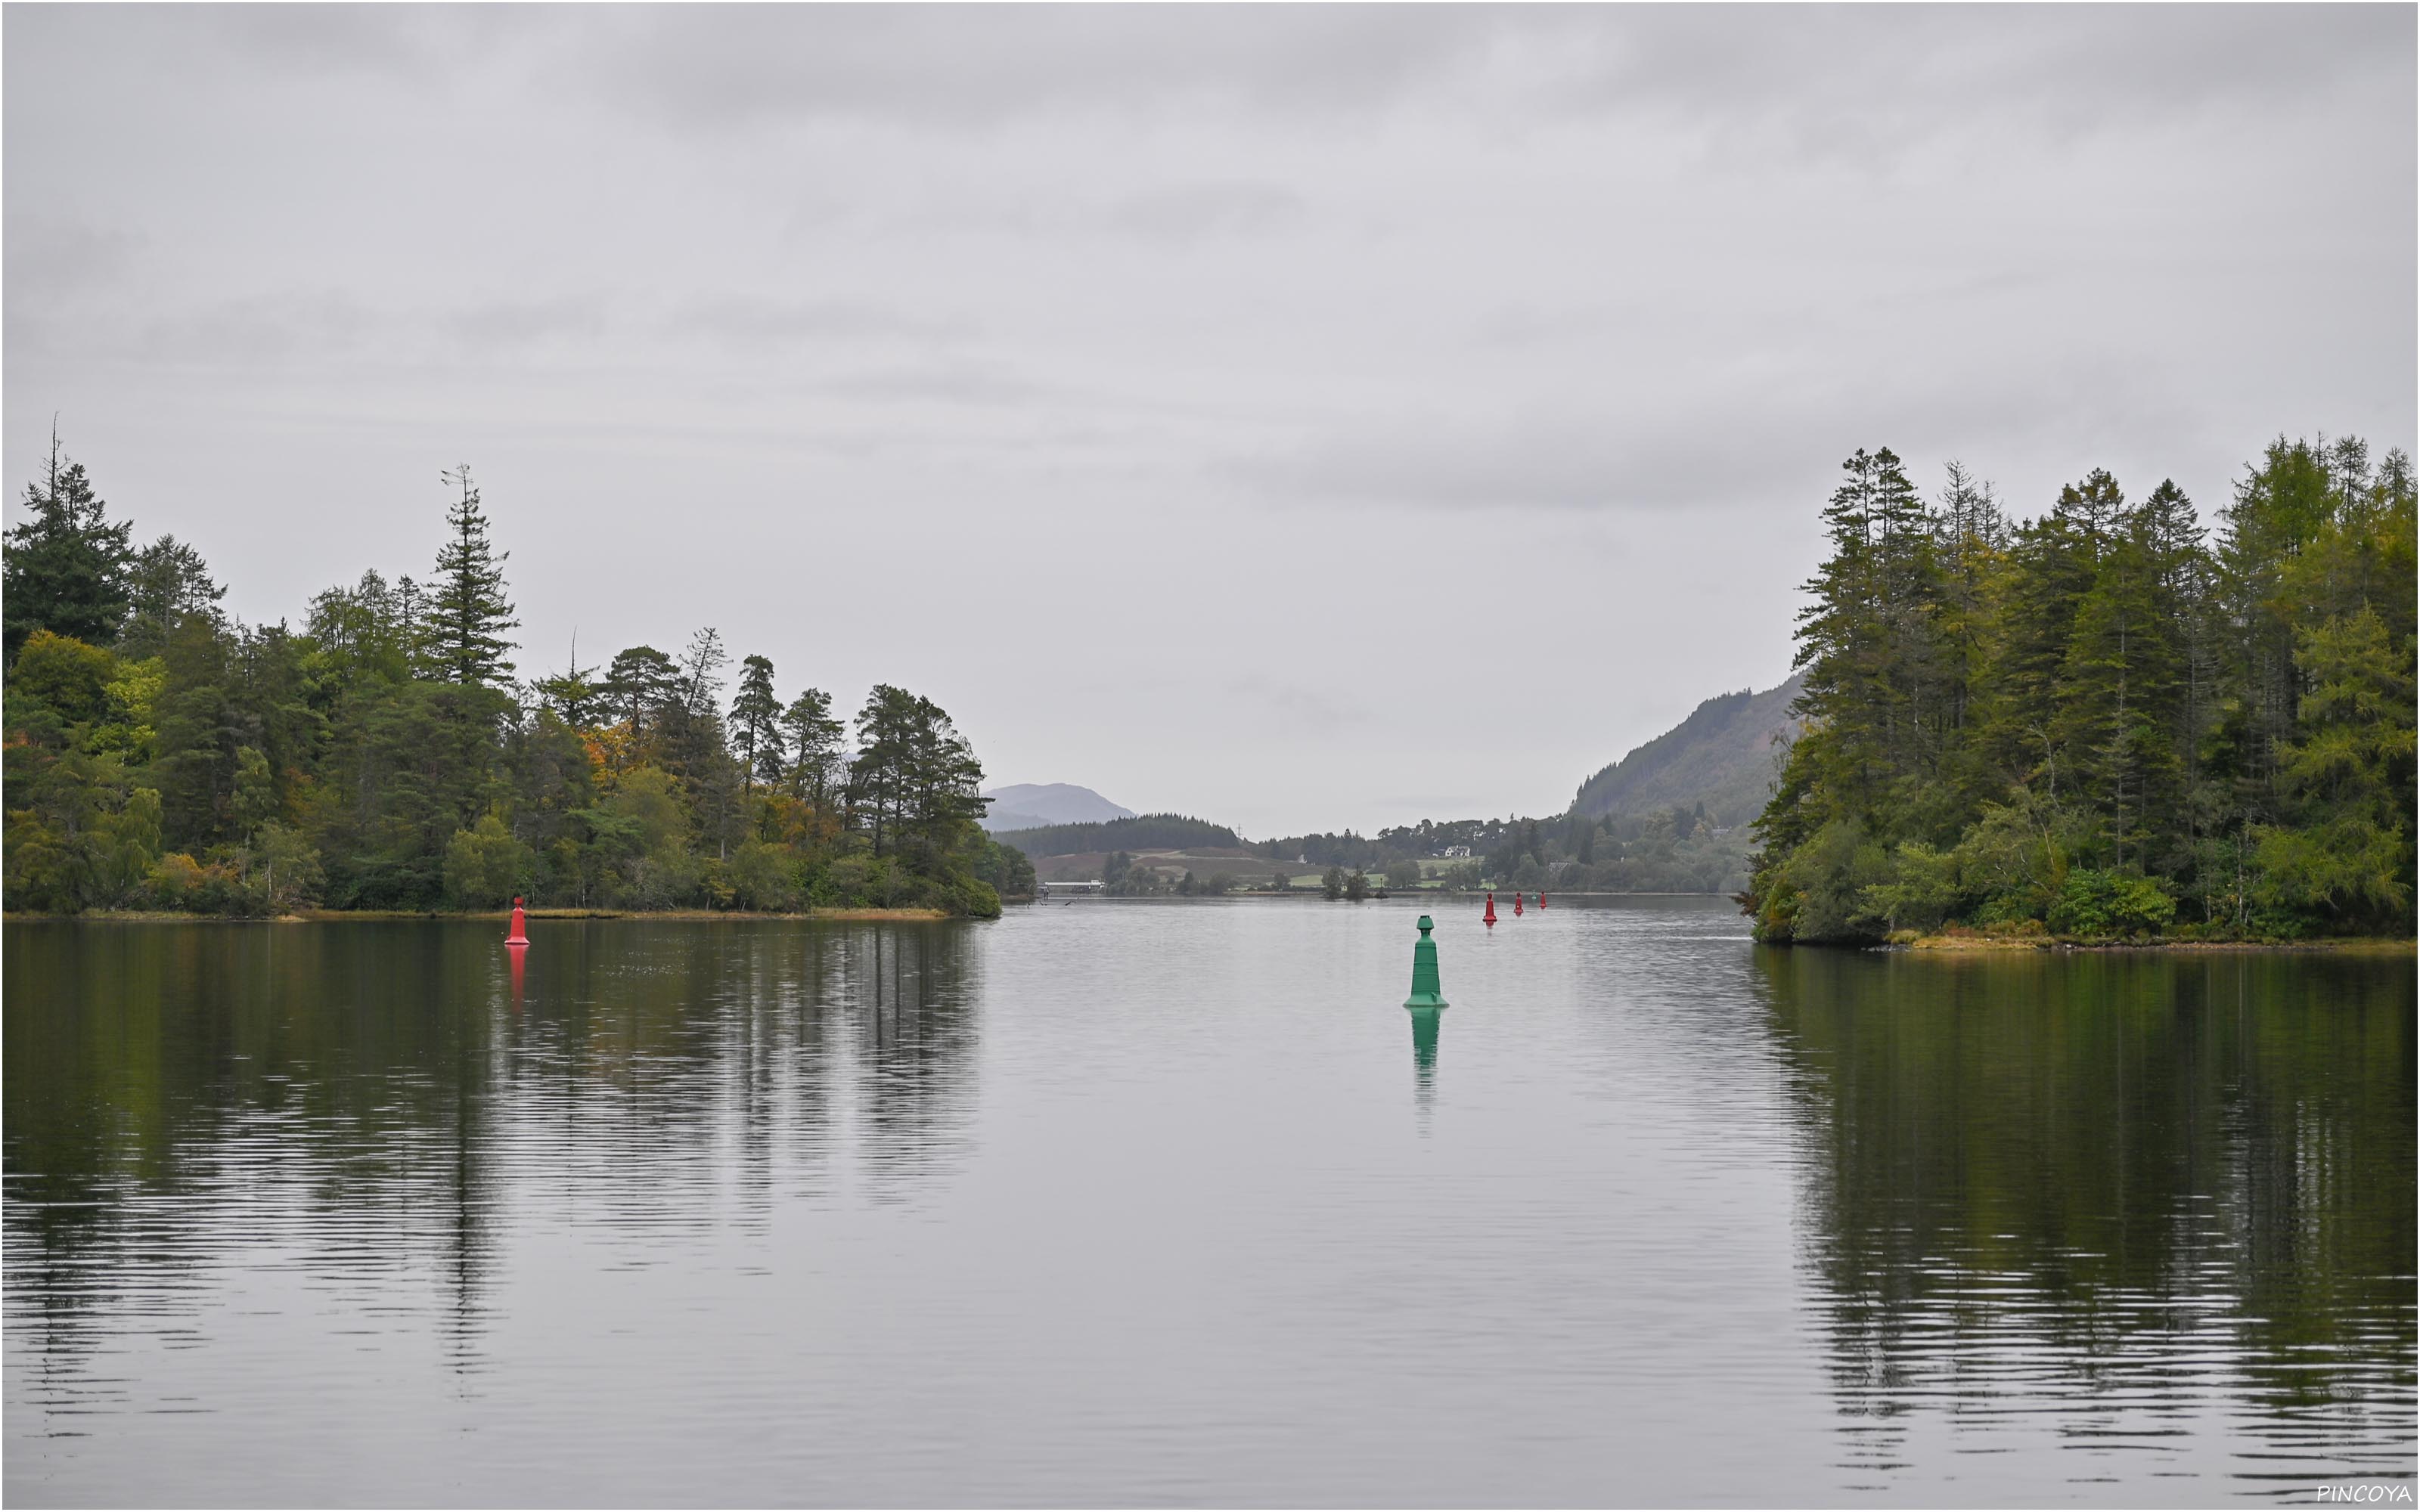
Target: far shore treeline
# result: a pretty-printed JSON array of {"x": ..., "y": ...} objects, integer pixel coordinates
[
  {"x": 162, "y": 755},
  {"x": 2100, "y": 724}
]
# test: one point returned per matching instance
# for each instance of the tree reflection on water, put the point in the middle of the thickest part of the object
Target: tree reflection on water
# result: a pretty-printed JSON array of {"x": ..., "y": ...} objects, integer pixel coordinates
[
  {"x": 2176, "y": 1183},
  {"x": 376, "y": 1073}
]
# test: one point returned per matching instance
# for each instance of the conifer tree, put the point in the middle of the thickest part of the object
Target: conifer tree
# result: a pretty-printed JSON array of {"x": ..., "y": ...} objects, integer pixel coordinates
[
  {"x": 814, "y": 738},
  {"x": 757, "y": 723},
  {"x": 642, "y": 687},
  {"x": 66, "y": 566},
  {"x": 462, "y": 636},
  {"x": 572, "y": 694},
  {"x": 166, "y": 579}
]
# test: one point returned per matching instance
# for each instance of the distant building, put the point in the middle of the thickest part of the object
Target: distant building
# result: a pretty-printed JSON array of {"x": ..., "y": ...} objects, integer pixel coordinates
[{"x": 1457, "y": 852}]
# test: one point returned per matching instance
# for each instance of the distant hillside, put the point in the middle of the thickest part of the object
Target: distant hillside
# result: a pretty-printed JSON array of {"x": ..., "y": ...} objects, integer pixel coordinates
[
  {"x": 1155, "y": 831},
  {"x": 1721, "y": 756},
  {"x": 1032, "y": 805}
]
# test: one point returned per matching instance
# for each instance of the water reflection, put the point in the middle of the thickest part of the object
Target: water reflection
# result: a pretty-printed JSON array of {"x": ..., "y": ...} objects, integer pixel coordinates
[
  {"x": 2162, "y": 1187},
  {"x": 344, "y": 1103},
  {"x": 702, "y": 1218},
  {"x": 1424, "y": 1051}
]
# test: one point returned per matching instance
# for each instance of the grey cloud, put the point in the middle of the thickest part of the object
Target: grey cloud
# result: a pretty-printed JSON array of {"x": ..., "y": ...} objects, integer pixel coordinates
[
  {"x": 494, "y": 325},
  {"x": 1191, "y": 212},
  {"x": 965, "y": 66},
  {"x": 949, "y": 382},
  {"x": 261, "y": 330},
  {"x": 760, "y": 323},
  {"x": 1684, "y": 448},
  {"x": 1867, "y": 83},
  {"x": 1534, "y": 462},
  {"x": 50, "y": 256},
  {"x": 310, "y": 42},
  {"x": 1826, "y": 81},
  {"x": 1302, "y": 708}
]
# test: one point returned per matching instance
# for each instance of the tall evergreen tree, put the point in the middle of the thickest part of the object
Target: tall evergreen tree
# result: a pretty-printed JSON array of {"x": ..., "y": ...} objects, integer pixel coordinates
[
  {"x": 468, "y": 614},
  {"x": 642, "y": 687},
  {"x": 757, "y": 723},
  {"x": 814, "y": 739},
  {"x": 66, "y": 568}
]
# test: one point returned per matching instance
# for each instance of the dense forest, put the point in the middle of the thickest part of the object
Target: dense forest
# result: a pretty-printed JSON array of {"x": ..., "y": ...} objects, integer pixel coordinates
[
  {"x": 162, "y": 755},
  {"x": 1151, "y": 831},
  {"x": 2104, "y": 722}
]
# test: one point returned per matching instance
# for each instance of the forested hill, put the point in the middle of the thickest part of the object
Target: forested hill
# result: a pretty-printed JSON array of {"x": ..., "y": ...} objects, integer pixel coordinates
[
  {"x": 1150, "y": 832},
  {"x": 1723, "y": 756}
]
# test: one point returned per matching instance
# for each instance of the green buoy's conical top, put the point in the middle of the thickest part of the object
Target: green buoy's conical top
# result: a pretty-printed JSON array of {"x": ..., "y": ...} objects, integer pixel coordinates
[{"x": 1426, "y": 990}]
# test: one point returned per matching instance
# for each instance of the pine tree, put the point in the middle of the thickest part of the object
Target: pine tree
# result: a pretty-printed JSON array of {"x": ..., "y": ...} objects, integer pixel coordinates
[
  {"x": 877, "y": 777},
  {"x": 702, "y": 665},
  {"x": 642, "y": 687},
  {"x": 691, "y": 720},
  {"x": 814, "y": 738},
  {"x": 463, "y": 635},
  {"x": 66, "y": 568},
  {"x": 757, "y": 723}
]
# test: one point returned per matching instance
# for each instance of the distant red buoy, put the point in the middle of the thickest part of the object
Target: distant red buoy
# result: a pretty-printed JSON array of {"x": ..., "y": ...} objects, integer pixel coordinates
[
  {"x": 1541, "y": 900},
  {"x": 1490, "y": 920},
  {"x": 520, "y": 927},
  {"x": 1517, "y": 905}
]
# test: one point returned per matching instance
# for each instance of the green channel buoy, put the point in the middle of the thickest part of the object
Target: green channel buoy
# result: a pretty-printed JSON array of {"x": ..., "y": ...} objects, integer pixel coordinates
[{"x": 1426, "y": 993}]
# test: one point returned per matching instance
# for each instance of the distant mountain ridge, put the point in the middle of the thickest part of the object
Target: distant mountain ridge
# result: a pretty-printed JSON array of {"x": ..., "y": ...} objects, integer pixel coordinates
[
  {"x": 1722, "y": 755},
  {"x": 1037, "y": 805}
]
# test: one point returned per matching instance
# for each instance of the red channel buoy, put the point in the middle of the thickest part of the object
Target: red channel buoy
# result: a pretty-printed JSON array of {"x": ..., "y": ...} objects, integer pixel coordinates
[
  {"x": 1517, "y": 905},
  {"x": 1490, "y": 920},
  {"x": 1541, "y": 900},
  {"x": 520, "y": 927}
]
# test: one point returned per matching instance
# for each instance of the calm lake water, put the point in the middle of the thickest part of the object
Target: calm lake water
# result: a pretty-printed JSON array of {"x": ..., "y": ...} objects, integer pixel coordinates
[{"x": 1173, "y": 1203}]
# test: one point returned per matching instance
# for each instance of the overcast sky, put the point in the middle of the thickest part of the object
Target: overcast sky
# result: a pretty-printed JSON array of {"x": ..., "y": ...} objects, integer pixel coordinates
[{"x": 1302, "y": 418}]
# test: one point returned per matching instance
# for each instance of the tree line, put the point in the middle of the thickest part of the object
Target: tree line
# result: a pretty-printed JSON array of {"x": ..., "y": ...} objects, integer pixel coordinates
[
  {"x": 1674, "y": 849},
  {"x": 1151, "y": 831},
  {"x": 2104, "y": 722},
  {"x": 382, "y": 755}
]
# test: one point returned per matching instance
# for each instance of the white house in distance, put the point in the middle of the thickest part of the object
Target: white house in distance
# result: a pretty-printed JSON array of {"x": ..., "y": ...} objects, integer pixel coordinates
[{"x": 1457, "y": 852}]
